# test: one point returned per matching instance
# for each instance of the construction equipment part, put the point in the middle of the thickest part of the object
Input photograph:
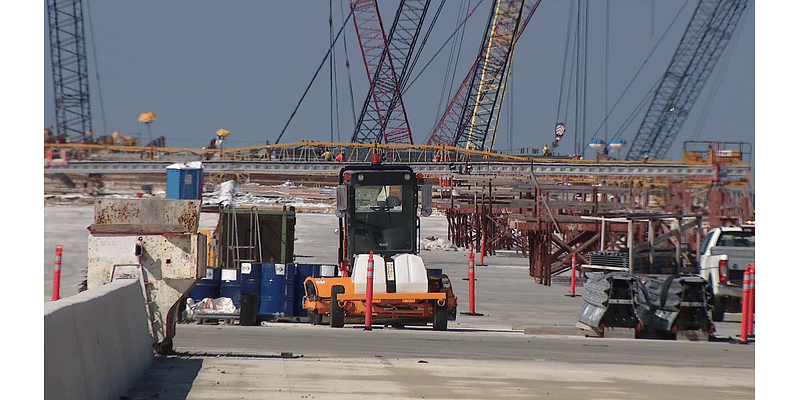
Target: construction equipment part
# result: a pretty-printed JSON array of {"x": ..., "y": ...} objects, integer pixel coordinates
[
  {"x": 156, "y": 242},
  {"x": 677, "y": 303},
  {"x": 611, "y": 301}
]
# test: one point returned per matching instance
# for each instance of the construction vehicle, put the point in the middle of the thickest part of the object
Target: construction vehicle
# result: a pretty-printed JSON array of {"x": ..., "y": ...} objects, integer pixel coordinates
[{"x": 378, "y": 225}]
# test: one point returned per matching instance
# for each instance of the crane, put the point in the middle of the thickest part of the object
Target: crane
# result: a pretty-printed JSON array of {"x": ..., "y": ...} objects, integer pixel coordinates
[
  {"x": 708, "y": 33},
  {"x": 383, "y": 117},
  {"x": 70, "y": 70},
  {"x": 474, "y": 111}
]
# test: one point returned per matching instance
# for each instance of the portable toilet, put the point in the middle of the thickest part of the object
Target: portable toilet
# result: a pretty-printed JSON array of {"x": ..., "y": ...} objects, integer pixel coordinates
[{"x": 185, "y": 181}]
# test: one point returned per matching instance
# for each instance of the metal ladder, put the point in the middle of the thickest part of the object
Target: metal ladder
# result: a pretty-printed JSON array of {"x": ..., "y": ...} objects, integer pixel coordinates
[{"x": 238, "y": 252}]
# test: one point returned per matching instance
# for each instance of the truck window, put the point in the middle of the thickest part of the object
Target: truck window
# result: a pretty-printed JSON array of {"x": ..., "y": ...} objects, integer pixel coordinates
[
  {"x": 383, "y": 221},
  {"x": 379, "y": 198},
  {"x": 737, "y": 239}
]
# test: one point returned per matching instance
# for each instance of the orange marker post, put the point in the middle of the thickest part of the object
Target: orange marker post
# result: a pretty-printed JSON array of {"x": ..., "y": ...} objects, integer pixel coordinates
[
  {"x": 471, "y": 276},
  {"x": 574, "y": 268},
  {"x": 745, "y": 304},
  {"x": 370, "y": 278},
  {"x": 57, "y": 274}
]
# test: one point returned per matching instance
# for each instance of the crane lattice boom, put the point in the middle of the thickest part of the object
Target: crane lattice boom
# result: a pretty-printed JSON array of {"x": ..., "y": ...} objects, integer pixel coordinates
[
  {"x": 70, "y": 70},
  {"x": 472, "y": 115},
  {"x": 383, "y": 118},
  {"x": 701, "y": 46}
]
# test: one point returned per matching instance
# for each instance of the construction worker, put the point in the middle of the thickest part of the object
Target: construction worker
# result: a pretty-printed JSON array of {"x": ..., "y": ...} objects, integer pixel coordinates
[
  {"x": 327, "y": 156},
  {"x": 339, "y": 157}
]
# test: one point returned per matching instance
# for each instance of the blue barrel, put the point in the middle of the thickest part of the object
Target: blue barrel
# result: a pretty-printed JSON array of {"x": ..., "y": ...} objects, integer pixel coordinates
[
  {"x": 207, "y": 287},
  {"x": 277, "y": 289},
  {"x": 231, "y": 285},
  {"x": 251, "y": 278},
  {"x": 302, "y": 272}
]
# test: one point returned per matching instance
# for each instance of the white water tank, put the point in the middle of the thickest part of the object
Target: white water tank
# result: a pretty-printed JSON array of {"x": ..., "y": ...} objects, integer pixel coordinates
[
  {"x": 410, "y": 274},
  {"x": 360, "y": 274}
]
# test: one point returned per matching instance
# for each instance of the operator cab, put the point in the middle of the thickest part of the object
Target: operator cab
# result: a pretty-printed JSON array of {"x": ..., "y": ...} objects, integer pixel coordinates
[
  {"x": 377, "y": 210},
  {"x": 382, "y": 222}
]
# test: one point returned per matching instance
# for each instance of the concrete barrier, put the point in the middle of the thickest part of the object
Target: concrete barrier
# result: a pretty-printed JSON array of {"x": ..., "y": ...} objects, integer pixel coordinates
[{"x": 96, "y": 344}]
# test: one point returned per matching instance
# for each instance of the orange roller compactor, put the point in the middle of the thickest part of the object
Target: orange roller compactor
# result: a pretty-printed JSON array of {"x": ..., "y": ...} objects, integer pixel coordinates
[{"x": 378, "y": 206}]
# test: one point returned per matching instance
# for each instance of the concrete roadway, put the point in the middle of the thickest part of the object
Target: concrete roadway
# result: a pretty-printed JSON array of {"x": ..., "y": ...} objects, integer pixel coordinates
[
  {"x": 291, "y": 361},
  {"x": 479, "y": 357}
]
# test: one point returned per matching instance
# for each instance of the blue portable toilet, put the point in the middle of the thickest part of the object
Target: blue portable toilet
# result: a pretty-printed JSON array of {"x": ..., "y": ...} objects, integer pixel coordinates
[
  {"x": 277, "y": 289},
  {"x": 185, "y": 181}
]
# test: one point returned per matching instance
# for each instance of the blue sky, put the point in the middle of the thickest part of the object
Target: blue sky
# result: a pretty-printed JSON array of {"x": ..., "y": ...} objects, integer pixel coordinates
[{"x": 203, "y": 65}]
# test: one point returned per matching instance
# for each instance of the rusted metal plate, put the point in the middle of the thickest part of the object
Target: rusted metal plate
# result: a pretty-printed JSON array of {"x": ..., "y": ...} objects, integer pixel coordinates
[{"x": 154, "y": 212}]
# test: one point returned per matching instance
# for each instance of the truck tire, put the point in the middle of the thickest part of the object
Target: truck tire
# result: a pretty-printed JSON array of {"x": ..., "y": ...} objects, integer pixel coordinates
[
  {"x": 337, "y": 313},
  {"x": 718, "y": 310},
  {"x": 440, "y": 315}
]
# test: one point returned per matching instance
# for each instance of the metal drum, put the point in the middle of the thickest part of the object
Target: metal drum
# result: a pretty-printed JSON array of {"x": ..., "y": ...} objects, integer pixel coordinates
[
  {"x": 251, "y": 278},
  {"x": 277, "y": 290},
  {"x": 207, "y": 287},
  {"x": 231, "y": 285}
]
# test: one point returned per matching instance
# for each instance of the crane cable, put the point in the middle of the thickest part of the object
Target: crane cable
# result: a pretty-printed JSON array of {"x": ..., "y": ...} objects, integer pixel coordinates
[
  {"x": 334, "y": 89},
  {"x": 96, "y": 69},
  {"x": 459, "y": 28},
  {"x": 444, "y": 44},
  {"x": 450, "y": 70},
  {"x": 347, "y": 66},
  {"x": 418, "y": 53},
  {"x": 322, "y": 63},
  {"x": 559, "y": 114}
]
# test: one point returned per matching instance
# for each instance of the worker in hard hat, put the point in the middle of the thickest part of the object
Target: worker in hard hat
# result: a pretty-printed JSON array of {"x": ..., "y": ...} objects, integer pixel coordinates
[{"x": 546, "y": 151}]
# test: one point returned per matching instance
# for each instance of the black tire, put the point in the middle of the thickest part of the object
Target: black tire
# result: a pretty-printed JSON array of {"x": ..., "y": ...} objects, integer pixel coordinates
[
  {"x": 718, "y": 310},
  {"x": 337, "y": 313},
  {"x": 440, "y": 315}
]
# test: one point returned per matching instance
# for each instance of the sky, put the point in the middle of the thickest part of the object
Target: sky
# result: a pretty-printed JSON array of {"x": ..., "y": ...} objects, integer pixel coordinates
[{"x": 203, "y": 65}]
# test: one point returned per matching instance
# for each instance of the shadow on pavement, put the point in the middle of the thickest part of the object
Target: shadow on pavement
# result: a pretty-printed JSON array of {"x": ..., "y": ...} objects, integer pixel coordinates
[{"x": 169, "y": 377}]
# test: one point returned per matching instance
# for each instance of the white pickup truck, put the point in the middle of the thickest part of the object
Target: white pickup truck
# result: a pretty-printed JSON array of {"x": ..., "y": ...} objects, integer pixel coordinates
[{"x": 724, "y": 253}]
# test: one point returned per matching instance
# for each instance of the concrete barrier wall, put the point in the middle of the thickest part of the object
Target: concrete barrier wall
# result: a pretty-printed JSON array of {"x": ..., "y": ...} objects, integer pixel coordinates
[{"x": 97, "y": 343}]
